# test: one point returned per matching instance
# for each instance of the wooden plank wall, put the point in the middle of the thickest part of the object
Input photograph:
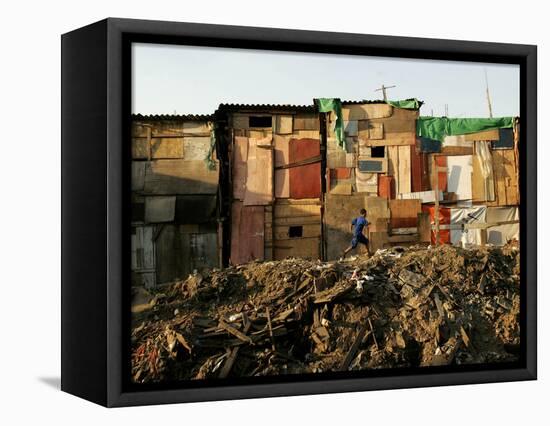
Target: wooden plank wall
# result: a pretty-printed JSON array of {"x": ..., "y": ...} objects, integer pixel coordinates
[
  {"x": 506, "y": 178},
  {"x": 305, "y": 213},
  {"x": 170, "y": 177}
]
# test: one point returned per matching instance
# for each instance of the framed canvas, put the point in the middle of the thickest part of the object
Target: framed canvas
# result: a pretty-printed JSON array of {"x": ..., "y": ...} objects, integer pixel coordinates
[{"x": 255, "y": 212}]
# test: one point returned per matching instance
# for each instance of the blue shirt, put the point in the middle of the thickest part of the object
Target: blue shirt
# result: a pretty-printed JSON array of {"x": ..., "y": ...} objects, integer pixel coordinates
[{"x": 359, "y": 223}]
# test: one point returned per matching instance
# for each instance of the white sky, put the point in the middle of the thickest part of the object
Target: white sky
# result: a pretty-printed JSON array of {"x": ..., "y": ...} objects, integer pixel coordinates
[{"x": 169, "y": 79}]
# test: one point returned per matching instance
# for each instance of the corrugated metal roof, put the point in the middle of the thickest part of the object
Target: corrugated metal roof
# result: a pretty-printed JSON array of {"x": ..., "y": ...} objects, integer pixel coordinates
[
  {"x": 245, "y": 108},
  {"x": 265, "y": 107},
  {"x": 377, "y": 101},
  {"x": 173, "y": 117},
  {"x": 364, "y": 101}
]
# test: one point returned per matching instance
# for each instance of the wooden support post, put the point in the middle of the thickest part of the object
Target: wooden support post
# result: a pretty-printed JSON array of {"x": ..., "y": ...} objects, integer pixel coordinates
[
  {"x": 270, "y": 329},
  {"x": 226, "y": 369},
  {"x": 238, "y": 334},
  {"x": 353, "y": 350}
]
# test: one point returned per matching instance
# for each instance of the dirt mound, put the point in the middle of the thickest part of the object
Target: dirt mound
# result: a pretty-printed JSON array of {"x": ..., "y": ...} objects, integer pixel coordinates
[{"x": 400, "y": 308}]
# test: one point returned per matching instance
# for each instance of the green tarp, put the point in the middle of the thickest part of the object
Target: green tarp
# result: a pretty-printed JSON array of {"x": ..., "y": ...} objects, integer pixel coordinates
[
  {"x": 406, "y": 104},
  {"x": 329, "y": 105},
  {"x": 439, "y": 127}
]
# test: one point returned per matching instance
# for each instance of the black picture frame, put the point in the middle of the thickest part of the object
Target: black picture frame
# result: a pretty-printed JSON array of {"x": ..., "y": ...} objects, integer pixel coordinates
[{"x": 95, "y": 181}]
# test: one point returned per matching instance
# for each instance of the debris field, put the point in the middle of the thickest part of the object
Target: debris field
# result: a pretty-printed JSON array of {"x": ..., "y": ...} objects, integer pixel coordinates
[{"x": 401, "y": 307}]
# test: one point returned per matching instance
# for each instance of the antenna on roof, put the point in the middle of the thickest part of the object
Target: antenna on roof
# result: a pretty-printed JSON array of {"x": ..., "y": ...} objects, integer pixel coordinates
[
  {"x": 383, "y": 89},
  {"x": 488, "y": 95}
]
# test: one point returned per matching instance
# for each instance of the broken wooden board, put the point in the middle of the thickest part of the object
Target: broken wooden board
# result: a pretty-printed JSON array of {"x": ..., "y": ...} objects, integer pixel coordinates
[
  {"x": 353, "y": 349},
  {"x": 171, "y": 177}
]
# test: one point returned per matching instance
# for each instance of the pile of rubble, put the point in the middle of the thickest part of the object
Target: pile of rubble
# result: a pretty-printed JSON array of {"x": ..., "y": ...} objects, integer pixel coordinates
[{"x": 399, "y": 308}]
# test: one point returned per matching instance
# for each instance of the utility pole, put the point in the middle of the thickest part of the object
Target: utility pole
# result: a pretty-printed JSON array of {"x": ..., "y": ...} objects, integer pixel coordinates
[
  {"x": 446, "y": 110},
  {"x": 488, "y": 95},
  {"x": 383, "y": 89}
]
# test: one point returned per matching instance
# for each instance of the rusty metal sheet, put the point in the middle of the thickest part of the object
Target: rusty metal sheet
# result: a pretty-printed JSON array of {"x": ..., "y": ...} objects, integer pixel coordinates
[
  {"x": 247, "y": 233},
  {"x": 305, "y": 181}
]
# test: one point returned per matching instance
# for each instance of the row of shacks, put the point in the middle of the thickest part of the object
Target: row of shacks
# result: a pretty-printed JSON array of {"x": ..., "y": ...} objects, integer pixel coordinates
[{"x": 263, "y": 182}]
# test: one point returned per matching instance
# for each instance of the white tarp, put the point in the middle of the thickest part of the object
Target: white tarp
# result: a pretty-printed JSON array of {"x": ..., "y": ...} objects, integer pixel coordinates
[
  {"x": 499, "y": 235},
  {"x": 468, "y": 215},
  {"x": 459, "y": 178}
]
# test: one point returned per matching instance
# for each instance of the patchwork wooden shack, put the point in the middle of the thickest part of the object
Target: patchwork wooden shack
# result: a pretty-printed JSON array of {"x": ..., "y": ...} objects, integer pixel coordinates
[
  {"x": 175, "y": 185},
  {"x": 274, "y": 181},
  {"x": 263, "y": 182},
  {"x": 368, "y": 166}
]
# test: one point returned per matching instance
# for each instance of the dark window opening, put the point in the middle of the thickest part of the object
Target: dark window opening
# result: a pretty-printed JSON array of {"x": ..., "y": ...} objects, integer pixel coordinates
[
  {"x": 295, "y": 231},
  {"x": 259, "y": 121},
  {"x": 377, "y": 152}
]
